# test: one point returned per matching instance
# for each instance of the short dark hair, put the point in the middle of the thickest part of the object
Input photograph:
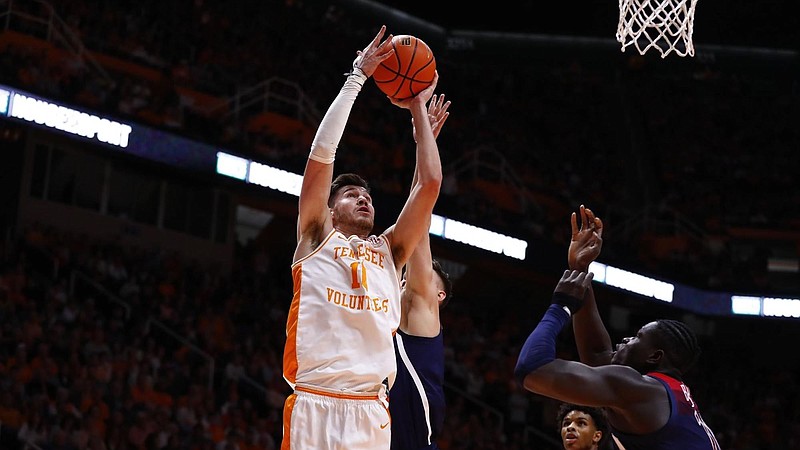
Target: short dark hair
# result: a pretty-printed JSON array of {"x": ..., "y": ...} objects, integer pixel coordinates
[
  {"x": 679, "y": 342},
  {"x": 599, "y": 417},
  {"x": 447, "y": 284},
  {"x": 346, "y": 179}
]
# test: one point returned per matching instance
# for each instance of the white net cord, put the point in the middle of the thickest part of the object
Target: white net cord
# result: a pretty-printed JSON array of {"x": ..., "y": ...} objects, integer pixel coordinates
[{"x": 665, "y": 25}]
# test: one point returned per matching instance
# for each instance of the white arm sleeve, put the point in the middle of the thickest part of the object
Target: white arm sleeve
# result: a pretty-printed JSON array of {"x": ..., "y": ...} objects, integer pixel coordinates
[{"x": 330, "y": 131}]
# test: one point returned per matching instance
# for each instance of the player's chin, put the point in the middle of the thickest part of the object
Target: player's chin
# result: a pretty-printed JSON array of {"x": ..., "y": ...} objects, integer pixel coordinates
[{"x": 366, "y": 223}]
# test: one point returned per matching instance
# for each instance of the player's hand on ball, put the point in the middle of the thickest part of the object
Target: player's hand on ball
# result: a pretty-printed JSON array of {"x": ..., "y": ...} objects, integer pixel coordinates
[
  {"x": 422, "y": 97},
  {"x": 374, "y": 53}
]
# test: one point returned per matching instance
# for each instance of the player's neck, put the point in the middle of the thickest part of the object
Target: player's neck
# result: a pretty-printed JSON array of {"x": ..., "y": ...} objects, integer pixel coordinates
[{"x": 351, "y": 231}]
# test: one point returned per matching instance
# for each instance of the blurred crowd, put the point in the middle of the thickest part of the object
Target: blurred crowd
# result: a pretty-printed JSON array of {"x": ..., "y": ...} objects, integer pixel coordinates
[
  {"x": 102, "y": 369},
  {"x": 104, "y": 347}
]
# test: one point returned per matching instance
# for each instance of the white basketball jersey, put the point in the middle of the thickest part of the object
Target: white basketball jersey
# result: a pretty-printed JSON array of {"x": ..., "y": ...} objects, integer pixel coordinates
[{"x": 345, "y": 307}]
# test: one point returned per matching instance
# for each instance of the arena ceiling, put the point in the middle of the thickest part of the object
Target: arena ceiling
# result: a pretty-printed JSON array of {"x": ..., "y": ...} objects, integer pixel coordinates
[{"x": 773, "y": 24}]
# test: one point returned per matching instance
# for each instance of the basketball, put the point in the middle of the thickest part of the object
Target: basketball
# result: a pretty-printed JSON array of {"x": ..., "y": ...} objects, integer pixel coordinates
[{"x": 410, "y": 70}]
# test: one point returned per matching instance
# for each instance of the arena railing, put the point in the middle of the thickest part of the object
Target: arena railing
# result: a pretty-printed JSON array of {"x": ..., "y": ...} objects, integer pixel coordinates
[{"x": 27, "y": 18}]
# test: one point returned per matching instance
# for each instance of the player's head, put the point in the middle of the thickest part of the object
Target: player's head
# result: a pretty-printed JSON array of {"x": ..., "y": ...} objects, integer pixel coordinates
[
  {"x": 344, "y": 180},
  {"x": 583, "y": 427},
  {"x": 444, "y": 287},
  {"x": 351, "y": 204},
  {"x": 664, "y": 345},
  {"x": 443, "y": 284}
]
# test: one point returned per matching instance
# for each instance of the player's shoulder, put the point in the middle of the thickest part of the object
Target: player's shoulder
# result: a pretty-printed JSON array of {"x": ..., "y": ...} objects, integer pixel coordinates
[
  {"x": 627, "y": 376},
  {"x": 387, "y": 233}
]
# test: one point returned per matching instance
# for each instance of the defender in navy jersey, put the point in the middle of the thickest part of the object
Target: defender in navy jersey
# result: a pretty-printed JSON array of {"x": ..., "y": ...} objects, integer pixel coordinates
[
  {"x": 416, "y": 401},
  {"x": 416, "y": 397},
  {"x": 638, "y": 383}
]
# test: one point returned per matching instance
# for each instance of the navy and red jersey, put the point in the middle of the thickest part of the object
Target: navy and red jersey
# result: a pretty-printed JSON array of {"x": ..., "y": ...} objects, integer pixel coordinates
[{"x": 685, "y": 429}]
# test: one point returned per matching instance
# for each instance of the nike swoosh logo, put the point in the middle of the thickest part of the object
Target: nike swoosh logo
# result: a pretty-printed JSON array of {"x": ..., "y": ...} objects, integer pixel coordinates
[{"x": 384, "y": 425}]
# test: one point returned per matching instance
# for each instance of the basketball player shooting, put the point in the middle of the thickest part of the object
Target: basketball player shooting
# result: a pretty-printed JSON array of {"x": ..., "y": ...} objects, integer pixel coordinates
[{"x": 339, "y": 355}]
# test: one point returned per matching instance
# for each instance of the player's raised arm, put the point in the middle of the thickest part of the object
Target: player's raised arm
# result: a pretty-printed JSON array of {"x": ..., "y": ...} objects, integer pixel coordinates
[
  {"x": 591, "y": 336},
  {"x": 412, "y": 223},
  {"x": 421, "y": 314},
  {"x": 314, "y": 220}
]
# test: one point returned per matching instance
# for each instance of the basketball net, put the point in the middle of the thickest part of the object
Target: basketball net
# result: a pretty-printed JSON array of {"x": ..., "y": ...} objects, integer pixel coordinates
[{"x": 665, "y": 25}]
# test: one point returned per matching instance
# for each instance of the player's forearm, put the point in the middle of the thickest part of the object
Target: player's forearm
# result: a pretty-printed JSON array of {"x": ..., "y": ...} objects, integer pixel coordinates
[
  {"x": 428, "y": 171},
  {"x": 540, "y": 347},
  {"x": 331, "y": 129},
  {"x": 591, "y": 336}
]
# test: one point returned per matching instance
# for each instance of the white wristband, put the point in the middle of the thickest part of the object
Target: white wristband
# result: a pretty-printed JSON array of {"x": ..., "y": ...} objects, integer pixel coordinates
[{"x": 330, "y": 131}]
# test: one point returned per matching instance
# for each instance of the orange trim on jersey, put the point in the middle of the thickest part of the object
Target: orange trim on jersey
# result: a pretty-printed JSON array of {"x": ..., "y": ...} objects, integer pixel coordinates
[
  {"x": 288, "y": 407},
  {"x": 290, "y": 348},
  {"x": 382, "y": 237},
  {"x": 336, "y": 394},
  {"x": 316, "y": 250}
]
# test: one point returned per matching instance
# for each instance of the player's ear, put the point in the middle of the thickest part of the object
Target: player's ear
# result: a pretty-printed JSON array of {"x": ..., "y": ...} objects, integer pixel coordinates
[{"x": 656, "y": 357}]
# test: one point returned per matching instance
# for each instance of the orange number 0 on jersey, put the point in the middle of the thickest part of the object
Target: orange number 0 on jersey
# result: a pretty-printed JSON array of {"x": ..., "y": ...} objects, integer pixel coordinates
[{"x": 359, "y": 281}]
